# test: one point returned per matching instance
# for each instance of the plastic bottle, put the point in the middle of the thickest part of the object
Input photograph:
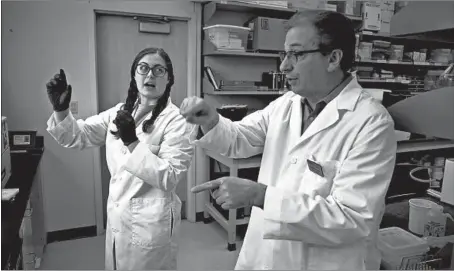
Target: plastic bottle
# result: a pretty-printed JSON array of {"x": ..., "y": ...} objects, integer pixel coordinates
[{"x": 436, "y": 222}]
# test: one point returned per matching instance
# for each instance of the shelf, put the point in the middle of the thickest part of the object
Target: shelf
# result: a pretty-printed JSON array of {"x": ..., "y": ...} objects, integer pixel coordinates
[
  {"x": 390, "y": 81},
  {"x": 391, "y": 62},
  {"x": 209, "y": 49},
  {"x": 258, "y": 10},
  {"x": 276, "y": 12},
  {"x": 239, "y": 53},
  {"x": 409, "y": 146},
  {"x": 388, "y": 36},
  {"x": 245, "y": 92}
]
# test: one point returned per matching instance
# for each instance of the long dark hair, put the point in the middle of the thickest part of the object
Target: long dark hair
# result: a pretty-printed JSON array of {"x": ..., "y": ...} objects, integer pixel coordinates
[{"x": 133, "y": 92}]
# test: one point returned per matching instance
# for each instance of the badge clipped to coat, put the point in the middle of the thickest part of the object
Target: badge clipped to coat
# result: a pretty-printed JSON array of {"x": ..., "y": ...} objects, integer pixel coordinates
[{"x": 315, "y": 168}]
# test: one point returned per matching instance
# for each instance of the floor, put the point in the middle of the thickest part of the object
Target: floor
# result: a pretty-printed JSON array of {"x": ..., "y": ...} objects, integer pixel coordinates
[{"x": 202, "y": 247}]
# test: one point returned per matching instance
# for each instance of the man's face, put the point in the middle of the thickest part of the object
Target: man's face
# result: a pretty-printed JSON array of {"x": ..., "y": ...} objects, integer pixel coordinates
[{"x": 306, "y": 72}]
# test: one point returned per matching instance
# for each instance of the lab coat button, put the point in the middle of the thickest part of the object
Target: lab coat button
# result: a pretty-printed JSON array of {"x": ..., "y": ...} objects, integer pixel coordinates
[
  {"x": 116, "y": 204},
  {"x": 123, "y": 150},
  {"x": 294, "y": 160}
]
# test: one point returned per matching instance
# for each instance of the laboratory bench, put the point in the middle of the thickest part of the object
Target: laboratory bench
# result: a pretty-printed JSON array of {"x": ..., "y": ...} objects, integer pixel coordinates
[
  {"x": 397, "y": 215},
  {"x": 23, "y": 226},
  {"x": 230, "y": 219}
]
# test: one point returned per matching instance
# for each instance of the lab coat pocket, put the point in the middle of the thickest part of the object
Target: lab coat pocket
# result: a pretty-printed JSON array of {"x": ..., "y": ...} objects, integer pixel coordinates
[
  {"x": 152, "y": 222},
  {"x": 320, "y": 183}
]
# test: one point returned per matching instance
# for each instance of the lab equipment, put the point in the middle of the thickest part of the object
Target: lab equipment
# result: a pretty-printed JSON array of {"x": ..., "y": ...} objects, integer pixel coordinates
[
  {"x": 436, "y": 222},
  {"x": 446, "y": 78},
  {"x": 447, "y": 188},
  {"x": 234, "y": 112},
  {"x": 397, "y": 245},
  {"x": 419, "y": 209},
  {"x": 6, "y": 153}
]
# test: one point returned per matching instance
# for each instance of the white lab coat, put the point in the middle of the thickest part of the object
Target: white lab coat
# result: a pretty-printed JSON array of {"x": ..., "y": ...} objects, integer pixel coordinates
[
  {"x": 143, "y": 210},
  {"x": 309, "y": 221}
]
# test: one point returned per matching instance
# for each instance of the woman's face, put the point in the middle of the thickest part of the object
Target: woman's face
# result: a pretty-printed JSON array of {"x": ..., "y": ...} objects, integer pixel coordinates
[{"x": 151, "y": 77}]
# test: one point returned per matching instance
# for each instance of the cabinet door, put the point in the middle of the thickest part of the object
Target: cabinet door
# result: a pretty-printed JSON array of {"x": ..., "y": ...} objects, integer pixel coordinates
[
  {"x": 28, "y": 253},
  {"x": 37, "y": 220}
]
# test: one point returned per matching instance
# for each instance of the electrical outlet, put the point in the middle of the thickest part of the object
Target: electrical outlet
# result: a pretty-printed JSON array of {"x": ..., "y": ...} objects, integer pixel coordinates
[{"x": 74, "y": 107}]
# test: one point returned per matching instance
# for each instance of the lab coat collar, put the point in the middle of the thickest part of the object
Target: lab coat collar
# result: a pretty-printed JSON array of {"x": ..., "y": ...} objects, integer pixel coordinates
[
  {"x": 346, "y": 100},
  {"x": 348, "y": 97}
]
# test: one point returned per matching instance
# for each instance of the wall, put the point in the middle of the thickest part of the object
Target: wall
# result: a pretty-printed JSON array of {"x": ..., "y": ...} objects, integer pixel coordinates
[{"x": 39, "y": 38}]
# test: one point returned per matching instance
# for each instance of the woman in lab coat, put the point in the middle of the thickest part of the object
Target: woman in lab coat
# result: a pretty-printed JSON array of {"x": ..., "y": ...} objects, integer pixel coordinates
[{"x": 147, "y": 152}]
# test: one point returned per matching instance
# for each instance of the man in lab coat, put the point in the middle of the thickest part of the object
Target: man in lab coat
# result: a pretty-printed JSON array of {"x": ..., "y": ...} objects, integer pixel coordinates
[{"x": 328, "y": 157}]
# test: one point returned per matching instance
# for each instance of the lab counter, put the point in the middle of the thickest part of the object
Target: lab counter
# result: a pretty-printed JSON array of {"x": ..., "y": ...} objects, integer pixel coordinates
[
  {"x": 25, "y": 168},
  {"x": 397, "y": 215}
]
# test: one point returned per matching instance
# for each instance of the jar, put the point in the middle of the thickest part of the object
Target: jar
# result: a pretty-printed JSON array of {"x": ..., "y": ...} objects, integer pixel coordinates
[
  {"x": 446, "y": 79},
  {"x": 430, "y": 79}
]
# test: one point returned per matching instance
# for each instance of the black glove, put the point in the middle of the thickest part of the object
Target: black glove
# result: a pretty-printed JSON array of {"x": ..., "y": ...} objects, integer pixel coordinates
[
  {"x": 59, "y": 92},
  {"x": 126, "y": 127}
]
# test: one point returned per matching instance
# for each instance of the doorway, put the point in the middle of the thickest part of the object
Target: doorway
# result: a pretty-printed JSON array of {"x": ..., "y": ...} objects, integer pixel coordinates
[{"x": 118, "y": 40}]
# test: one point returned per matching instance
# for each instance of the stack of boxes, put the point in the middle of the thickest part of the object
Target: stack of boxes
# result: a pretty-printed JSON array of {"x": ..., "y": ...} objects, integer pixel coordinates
[
  {"x": 376, "y": 14},
  {"x": 387, "y": 12},
  {"x": 311, "y": 4},
  {"x": 282, "y": 4}
]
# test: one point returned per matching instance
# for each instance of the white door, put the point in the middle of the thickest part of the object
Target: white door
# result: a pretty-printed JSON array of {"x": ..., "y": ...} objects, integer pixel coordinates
[{"x": 118, "y": 41}]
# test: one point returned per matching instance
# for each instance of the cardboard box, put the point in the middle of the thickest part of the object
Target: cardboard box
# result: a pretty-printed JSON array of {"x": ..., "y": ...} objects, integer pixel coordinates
[
  {"x": 388, "y": 5},
  {"x": 298, "y": 4},
  {"x": 327, "y": 6},
  {"x": 386, "y": 16},
  {"x": 385, "y": 27},
  {"x": 282, "y": 4},
  {"x": 371, "y": 16},
  {"x": 269, "y": 34},
  {"x": 357, "y": 8},
  {"x": 345, "y": 7}
]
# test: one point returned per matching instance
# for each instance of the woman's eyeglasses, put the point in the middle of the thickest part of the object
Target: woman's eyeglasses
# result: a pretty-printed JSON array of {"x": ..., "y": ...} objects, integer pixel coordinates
[{"x": 157, "y": 70}]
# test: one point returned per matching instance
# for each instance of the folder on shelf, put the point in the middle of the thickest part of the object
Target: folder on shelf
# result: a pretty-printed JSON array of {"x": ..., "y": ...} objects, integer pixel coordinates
[{"x": 212, "y": 78}]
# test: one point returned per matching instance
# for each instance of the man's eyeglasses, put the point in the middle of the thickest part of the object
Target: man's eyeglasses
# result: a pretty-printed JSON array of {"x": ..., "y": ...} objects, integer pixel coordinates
[
  {"x": 294, "y": 56},
  {"x": 157, "y": 70}
]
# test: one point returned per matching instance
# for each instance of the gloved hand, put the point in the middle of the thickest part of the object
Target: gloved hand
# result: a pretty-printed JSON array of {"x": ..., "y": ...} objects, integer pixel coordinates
[
  {"x": 126, "y": 127},
  {"x": 59, "y": 92}
]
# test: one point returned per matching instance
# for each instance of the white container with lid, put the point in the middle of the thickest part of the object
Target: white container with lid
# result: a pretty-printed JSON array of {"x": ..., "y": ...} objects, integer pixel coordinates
[
  {"x": 395, "y": 244},
  {"x": 227, "y": 36}
]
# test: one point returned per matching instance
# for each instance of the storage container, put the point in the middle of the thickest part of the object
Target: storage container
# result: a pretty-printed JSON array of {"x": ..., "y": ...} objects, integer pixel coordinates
[
  {"x": 441, "y": 56},
  {"x": 397, "y": 52},
  {"x": 431, "y": 78},
  {"x": 365, "y": 50},
  {"x": 395, "y": 244},
  {"x": 227, "y": 36},
  {"x": 381, "y": 44}
]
